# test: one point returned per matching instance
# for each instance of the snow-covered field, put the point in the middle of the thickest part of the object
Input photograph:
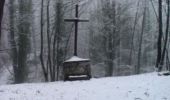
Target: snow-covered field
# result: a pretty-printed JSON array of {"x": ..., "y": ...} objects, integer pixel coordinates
[{"x": 139, "y": 87}]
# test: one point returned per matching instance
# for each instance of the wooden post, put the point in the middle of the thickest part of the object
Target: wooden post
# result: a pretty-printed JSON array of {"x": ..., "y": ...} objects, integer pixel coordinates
[{"x": 76, "y": 20}]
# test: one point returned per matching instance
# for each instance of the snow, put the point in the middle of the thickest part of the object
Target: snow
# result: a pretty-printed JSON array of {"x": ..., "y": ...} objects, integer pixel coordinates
[
  {"x": 138, "y": 87},
  {"x": 75, "y": 59}
]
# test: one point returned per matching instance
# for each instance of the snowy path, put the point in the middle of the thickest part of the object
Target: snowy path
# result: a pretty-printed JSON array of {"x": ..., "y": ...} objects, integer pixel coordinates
[{"x": 141, "y": 87}]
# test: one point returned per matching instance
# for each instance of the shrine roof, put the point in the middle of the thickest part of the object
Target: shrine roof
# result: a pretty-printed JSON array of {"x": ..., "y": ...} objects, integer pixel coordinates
[{"x": 76, "y": 59}]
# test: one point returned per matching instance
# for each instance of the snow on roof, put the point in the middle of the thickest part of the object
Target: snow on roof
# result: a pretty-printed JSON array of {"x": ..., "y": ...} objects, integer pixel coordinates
[{"x": 75, "y": 59}]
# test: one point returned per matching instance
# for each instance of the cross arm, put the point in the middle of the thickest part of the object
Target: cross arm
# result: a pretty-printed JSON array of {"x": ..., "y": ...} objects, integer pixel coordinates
[
  {"x": 83, "y": 20},
  {"x": 76, "y": 19}
]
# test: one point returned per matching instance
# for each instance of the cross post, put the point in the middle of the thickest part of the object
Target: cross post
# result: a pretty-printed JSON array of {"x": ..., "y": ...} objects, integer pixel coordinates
[{"x": 76, "y": 20}]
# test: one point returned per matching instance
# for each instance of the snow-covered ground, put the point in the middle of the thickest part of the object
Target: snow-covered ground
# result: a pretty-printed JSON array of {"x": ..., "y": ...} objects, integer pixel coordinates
[{"x": 139, "y": 87}]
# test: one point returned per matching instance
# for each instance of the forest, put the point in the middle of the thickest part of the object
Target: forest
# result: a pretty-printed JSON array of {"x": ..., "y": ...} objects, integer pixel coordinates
[{"x": 122, "y": 37}]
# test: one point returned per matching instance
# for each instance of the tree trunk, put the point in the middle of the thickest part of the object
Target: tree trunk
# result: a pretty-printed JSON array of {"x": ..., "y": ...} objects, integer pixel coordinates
[
  {"x": 2, "y": 3},
  {"x": 166, "y": 35},
  {"x": 24, "y": 38},
  {"x": 12, "y": 41},
  {"x": 159, "y": 43},
  {"x": 140, "y": 41},
  {"x": 133, "y": 33},
  {"x": 58, "y": 40},
  {"x": 42, "y": 43},
  {"x": 48, "y": 38},
  {"x": 111, "y": 40},
  {"x": 154, "y": 10}
]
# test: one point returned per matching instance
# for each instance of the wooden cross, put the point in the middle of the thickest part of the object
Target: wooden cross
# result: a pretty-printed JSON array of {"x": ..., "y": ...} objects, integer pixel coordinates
[{"x": 76, "y": 20}]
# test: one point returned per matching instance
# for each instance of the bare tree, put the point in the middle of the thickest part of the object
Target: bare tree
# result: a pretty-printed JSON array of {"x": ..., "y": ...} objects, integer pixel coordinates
[
  {"x": 133, "y": 33},
  {"x": 159, "y": 43},
  {"x": 45, "y": 71},
  {"x": 166, "y": 34},
  {"x": 109, "y": 11},
  {"x": 141, "y": 40},
  {"x": 55, "y": 41}
]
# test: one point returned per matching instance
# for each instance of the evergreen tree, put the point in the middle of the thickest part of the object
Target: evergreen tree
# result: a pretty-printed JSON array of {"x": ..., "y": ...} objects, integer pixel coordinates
[
  {"x": 23, "y": 38},
  {"x": 110, "y": 22},
  {"x": 14, "y": 51}
]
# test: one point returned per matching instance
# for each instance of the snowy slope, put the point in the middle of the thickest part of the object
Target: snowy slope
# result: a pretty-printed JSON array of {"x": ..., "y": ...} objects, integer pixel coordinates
[{"x": 139, "y": 87}]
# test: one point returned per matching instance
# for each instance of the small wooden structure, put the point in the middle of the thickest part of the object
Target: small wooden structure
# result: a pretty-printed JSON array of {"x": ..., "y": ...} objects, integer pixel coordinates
[{"x": 76, "y": 69}]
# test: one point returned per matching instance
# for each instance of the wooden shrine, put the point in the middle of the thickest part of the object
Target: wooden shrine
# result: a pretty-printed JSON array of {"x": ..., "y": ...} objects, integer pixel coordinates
[{"x": 76, "y": 68}]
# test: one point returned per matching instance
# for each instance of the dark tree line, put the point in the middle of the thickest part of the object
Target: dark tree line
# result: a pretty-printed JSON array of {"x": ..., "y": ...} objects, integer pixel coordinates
[
  {"x": 56, "y": 39},
  {"x": 53, "y": 38},
  {"x": 20, "y": 37},
  {"x": 162, "y": 47},
  {"x": 117, "y": 36},
  {"x": 106, "y": 30},
  {"x": 110, "y": 47}
]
